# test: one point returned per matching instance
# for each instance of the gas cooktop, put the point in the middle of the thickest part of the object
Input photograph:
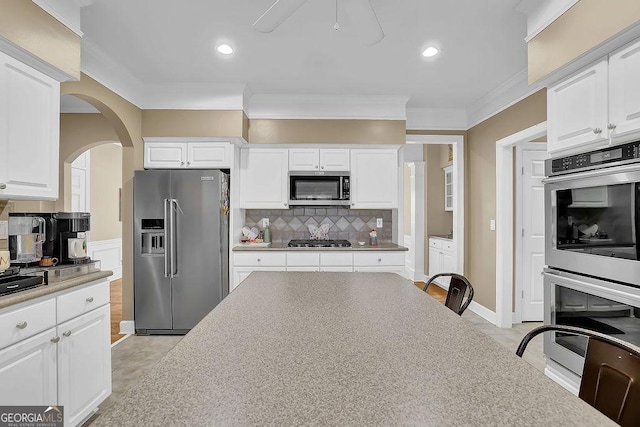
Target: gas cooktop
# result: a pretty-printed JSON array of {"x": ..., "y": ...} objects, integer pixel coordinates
[{"x": 319, "y": 244}]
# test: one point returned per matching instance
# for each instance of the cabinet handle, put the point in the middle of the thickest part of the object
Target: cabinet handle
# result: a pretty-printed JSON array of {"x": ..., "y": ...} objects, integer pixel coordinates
[
  {"x": 3, "y": 186},
  {"x": 258, "y": 259},
  {"x": 322, "y": 167},
  {"x": 21, "y": 325},
  {"x": 379, "y": 259},
  {"x": 316, "y": 166},
  {"x": 90, "y": 299},
  {"x": 597, "y": 131},
  {"x": 188, "y": 163},
  {"x": 181, "y": 163},
  {"x": 353, "y": 204},
  {"x": 285, "y": 204},
  {"x": 55, "y": 340},
  {"x": 66, "y": 334},
  {"x": 611, "y": 126}
]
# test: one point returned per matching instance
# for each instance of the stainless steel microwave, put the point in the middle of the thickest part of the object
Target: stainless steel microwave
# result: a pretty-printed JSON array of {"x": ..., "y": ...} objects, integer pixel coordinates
[{"x": 319, "y": 189}]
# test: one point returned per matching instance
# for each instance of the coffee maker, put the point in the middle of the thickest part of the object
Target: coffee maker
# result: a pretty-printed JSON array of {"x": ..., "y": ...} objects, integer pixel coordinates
[
  {"x": 72, "y": 238},
  {"x": 27, "y": 234}
]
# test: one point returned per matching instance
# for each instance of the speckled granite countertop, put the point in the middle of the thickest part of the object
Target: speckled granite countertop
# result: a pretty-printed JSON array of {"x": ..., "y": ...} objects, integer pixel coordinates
[
  {"x": 18, "y": 297},
  {"x": 342, "y": 349},
  {"x": 283, "y": 247}
]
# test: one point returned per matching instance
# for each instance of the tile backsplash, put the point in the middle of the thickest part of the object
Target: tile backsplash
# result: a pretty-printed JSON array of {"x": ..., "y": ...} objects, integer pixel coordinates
[{"x": 349, "y": 224}]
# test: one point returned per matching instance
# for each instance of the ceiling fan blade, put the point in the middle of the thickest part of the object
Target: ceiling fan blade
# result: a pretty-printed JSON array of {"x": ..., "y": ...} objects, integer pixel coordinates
[
  {"x": 277, "y": 14},
  {"x": 364, "y": 18}
]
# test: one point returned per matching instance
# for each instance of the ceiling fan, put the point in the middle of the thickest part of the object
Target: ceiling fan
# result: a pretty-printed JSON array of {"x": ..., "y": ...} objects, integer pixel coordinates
[{"x": 360, "y": 12}]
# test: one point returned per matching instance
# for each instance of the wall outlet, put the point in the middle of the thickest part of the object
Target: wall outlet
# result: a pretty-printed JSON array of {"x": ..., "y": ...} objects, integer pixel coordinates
[
  {"x": 4, "y": 229},
  {"x": 265, "y": 222},
  {"x": 492, "y": 225},
  {"x": 379, "y": 222}
]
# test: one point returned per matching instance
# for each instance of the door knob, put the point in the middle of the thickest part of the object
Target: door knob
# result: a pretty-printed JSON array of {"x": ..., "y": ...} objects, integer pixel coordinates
[
  {"x": 181, "y": 163},
  {"x": 188, "y": 163},
  {"x": 322, "y": 167}
]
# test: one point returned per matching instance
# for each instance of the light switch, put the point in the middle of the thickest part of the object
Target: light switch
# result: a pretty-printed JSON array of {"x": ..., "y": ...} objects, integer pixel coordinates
[
  {"x": 492, "y": 225},
  {"x": 4, "y": 229},
  {"x": 379, "y": 222}
]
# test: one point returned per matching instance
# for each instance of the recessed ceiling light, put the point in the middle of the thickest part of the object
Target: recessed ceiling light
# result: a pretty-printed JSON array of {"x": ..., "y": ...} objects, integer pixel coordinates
[
  {"x": 225, "y": 49},
  {"x": 430, "y": 51}
]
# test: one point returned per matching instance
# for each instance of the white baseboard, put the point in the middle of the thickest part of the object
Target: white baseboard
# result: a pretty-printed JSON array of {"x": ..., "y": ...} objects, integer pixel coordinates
[
  {"x": 109, "y": 253},
  {"x": 127, "y": 327},
  {"x": 483, "y": 312},
  {"x": 562, "y": 376}
]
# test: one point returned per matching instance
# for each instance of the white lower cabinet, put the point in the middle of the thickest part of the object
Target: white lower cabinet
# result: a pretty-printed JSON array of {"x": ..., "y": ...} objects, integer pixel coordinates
[
  {"x": 84, "y": 364},
  {"x": 61, "y": 354},
  {"x": 378, "y": 261},
  {"x": 28, "y": 371},
  {"x": 441, "y": 259}
]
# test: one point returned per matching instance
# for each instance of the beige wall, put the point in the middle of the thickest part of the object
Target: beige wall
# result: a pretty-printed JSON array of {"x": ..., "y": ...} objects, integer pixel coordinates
[
  {"x": 106, "y": 182},
  {"x": 480, "y": 185},
  {"x": 290, "y": 131},
  {"x": 26, "y": 25},
  {"x": 194, "y": 123},
  {"x": 584, "y": 26}
]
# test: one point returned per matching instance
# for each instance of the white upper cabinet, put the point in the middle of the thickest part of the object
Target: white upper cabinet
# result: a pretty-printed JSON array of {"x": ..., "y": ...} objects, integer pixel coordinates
[
  {"x": 29, "y": 132},
  {"x": 172, "y": 154},
  {"x": 374, "y": 178},
  {"x": 448, "y": 188},
  {"x": 577, "y": 111},
  {"x": 624, "y": 93},
  {"x": 323, "y": 159},
  {"x": 263, "y": 178}
]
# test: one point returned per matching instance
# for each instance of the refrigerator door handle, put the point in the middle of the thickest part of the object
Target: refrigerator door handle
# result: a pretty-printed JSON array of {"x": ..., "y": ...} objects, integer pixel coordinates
[
  {"x": 167, "y": 232},
  {"x": 174, "y": 237}
]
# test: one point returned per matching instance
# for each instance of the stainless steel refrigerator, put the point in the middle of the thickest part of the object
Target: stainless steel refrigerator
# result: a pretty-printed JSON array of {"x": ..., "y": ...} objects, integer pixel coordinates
[{"x": 181, "y": 248}]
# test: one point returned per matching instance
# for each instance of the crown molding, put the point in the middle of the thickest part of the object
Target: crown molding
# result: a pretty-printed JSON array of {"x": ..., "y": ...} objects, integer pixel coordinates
[
  {"x": 541, "y": 13},
  {"x": 436, "y": 119},
  {"x": 34, "y": 61},
  {"x": 65, "y": 11},
  {"x": 265, "y": 106},
  {"x": 504, "y": 96}
]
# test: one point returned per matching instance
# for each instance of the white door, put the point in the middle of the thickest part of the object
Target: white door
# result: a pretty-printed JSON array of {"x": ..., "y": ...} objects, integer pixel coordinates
[
  {"x": 84, "y": 363},
  {"x": 28, "y": 371},
  {"x": 209, "y": 155},
  {"x": 374, "y": 178},
  {"x": 80, "y": 183},
  {"x": 334, "y": 159},
  {"x": 165, "y": 155},
  {"x": 624, "y": 92},
  {"x": 529, "y": 283},
  {"x": 263, "y": 178},
  {"x": 304, "y": 159}
]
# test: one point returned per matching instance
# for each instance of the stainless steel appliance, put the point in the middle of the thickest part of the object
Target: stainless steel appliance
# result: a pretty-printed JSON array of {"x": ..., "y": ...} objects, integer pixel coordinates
[
  {"x": 593, "y": 203},
  {"x": 26, "y": 235},
  {"x": 319, "y": 189},
  {"x": 319, "y": 244},
  {"x": 598, "y": 305},
  {"x": 181, "y": 248}
]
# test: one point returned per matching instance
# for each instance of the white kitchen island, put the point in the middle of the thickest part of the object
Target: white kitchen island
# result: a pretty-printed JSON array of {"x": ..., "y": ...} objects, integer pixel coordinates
[{"x": 291, "y": 348}]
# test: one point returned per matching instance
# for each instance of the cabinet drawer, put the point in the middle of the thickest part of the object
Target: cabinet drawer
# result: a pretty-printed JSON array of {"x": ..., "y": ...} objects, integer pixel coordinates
[
  {"x": 82, "y": 300},
  {"x": 260, "y": 258},
  {"x": 336, "y": 258},
  {"x": 447, "y": 246},
  {"x": 378, "y": 258},
  {"x": 303, "y": 259},
  {"x": 435, "y": 243},
  {"x": 16, "y": 325}
]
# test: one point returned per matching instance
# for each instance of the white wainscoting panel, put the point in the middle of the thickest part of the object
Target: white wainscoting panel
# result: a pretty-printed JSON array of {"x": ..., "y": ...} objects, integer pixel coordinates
[
  {"x": 410, "y": 268},
  {"x": 109, "y": 253}
]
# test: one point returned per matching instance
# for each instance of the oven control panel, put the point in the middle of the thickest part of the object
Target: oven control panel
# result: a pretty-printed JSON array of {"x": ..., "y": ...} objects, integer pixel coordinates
[{"x": 593, "y": 159}]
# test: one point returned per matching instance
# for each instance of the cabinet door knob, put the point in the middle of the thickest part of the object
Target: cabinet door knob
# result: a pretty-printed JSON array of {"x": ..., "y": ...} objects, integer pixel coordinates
[
  {"x": 181, "y": 163},
  {"x": 188, "y": 163},
  {"x": 66, "y": 334},
  {"x": 611, "y": 126},
  {"x": 259, "y": 260},
  {"x": 316, "y": 166},
  {"x": 3, "y": 186},
  {"x": 90, "y": 299},
  {"x": 21, "y": 325},
  {"x": 379, "y": 259},
  {"x": 322, "y": 167},
  {"x": 55, "y": 340},
  {"x": 597, "y": 131},
  {"x": 285, "y": 204}
]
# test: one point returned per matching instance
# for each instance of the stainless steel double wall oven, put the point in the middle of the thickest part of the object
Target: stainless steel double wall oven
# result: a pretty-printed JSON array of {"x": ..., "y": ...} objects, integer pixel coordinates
[{"x": 592, "y": 233}]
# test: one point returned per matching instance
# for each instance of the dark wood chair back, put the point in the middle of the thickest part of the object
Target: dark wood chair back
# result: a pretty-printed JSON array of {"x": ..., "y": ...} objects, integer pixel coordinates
[
  {"x": 611, "y": 376},
  {"x": 459, "y": 287}
]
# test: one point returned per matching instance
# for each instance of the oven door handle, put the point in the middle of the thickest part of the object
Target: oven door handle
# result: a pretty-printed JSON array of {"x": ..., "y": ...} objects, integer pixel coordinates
[{"x": 591, "y": 173}]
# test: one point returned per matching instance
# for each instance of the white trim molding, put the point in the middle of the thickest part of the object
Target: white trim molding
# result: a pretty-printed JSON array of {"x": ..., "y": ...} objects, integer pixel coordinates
[
  {"x": 109, "y": 253},
  {"x": 127, "y": 327},
  {"x": 458, "y": 193},
  {"x": 542, "y": 13},
  {"x": 436, "y": 119},
  {"x": 65, "y": 11},
  {"x": 504, "y": 220}
]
